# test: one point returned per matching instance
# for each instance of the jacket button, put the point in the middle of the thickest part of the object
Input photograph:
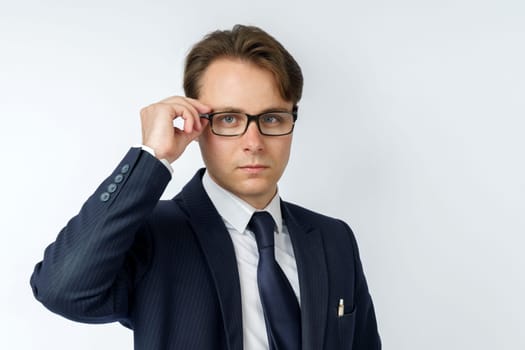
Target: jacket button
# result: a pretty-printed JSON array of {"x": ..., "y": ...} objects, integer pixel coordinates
[
  {"x": 124, "y": 169},
  {"x": 112, "y": 188},
  {"x": 119, "y": 178},
  {"x": 104, "y": 197}
]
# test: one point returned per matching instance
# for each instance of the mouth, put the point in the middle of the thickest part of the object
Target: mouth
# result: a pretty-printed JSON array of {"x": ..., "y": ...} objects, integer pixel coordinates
[{"x": 253, "y": 168}]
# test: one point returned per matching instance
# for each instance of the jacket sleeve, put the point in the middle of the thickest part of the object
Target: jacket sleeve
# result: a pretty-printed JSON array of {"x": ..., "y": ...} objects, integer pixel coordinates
[{"x": 87, "y": 273}]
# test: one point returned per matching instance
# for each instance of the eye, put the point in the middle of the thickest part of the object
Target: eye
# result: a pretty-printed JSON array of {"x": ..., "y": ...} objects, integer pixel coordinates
[
  {"x": 272, "y": 118},
  {"x": 228, "y": 118}
]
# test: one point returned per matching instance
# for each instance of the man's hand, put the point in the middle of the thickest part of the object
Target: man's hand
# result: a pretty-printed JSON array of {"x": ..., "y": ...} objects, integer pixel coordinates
[{"x": 158, "y": 131}]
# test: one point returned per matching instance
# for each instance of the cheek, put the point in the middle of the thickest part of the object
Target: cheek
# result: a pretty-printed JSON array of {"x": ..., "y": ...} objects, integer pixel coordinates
[
  {"x": 206, "y": 147},
  {"x": 214, "y": 152},
  {"x": 283, "y": 151}
]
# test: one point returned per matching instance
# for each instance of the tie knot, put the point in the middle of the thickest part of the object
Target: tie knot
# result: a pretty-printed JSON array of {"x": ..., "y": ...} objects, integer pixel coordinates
[{"x": 262, "y": 225}]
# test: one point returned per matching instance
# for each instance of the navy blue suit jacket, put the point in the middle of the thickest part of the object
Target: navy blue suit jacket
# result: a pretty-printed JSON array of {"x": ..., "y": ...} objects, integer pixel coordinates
[{"x": 167, "y": 269}]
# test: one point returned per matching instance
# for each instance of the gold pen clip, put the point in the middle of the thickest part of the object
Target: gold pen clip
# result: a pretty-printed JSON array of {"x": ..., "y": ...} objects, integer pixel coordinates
[{"x": 341, "y": 308}]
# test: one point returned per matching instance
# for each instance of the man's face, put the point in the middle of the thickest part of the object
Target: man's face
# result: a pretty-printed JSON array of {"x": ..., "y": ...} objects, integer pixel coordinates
[{"x": 249, "y": 165}]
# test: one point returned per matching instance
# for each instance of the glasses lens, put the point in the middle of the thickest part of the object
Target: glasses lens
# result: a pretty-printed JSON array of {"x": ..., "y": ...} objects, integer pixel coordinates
[
  {"x": 229, "y": 123},
  {"x": 276, "y": 123},
  {"x": 271, "y": 123}
]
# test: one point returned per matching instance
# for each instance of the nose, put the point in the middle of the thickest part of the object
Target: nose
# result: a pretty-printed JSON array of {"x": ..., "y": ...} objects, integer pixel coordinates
[{"x": 253, "y": 139}]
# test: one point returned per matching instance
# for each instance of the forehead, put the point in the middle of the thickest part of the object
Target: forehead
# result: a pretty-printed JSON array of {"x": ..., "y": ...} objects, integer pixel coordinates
[{"x": 240, "y": 84}]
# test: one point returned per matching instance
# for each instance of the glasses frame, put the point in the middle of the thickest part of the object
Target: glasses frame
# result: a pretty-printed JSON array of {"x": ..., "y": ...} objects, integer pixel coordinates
[{"x": 251, "y": 117}]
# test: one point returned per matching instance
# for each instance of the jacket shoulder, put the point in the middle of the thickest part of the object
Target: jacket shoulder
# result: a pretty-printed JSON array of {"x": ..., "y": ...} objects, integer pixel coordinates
[{"x": 304, "y": 215}]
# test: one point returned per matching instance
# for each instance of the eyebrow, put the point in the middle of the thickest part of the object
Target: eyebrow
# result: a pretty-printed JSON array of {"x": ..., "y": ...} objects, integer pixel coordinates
[{"x": 240, "y": 110}]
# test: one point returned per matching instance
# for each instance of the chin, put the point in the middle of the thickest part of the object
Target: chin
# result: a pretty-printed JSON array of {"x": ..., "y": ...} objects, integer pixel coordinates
[
  {"x": 254, "y": 189},
  {"x": 259, "y": 185}
]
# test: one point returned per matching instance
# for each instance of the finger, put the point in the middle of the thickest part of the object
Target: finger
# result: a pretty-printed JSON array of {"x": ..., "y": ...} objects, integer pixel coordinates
[
  {"x": 201, "y": 107},
  {"x": 173, "y": 110},
  {"x": 184, "y": 137},
  {"x": 191, "y": 123},
  {"x": 191, "y": 108},
  {"x": 192, "y": 120},
  {"x": 198, "y": 105}
]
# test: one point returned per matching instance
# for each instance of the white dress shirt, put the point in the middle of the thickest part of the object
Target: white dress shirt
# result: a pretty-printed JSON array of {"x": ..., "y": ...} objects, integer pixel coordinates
[{"x": 236, "y": 215}]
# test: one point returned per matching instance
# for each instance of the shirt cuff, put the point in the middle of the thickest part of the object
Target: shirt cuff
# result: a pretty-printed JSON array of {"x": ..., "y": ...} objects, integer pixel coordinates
[{"x": 152, "y": 152}]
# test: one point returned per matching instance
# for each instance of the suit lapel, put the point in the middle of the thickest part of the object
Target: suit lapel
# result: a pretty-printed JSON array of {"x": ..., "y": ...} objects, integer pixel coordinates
[
  {"x": 220, "y": 256},
  {"x": 313, "y": 280}
]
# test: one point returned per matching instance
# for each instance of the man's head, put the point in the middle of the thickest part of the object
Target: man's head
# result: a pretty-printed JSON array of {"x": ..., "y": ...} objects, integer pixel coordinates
[
  {"x": 244, "y": 70},
  {"x": 249, "y": 44}
]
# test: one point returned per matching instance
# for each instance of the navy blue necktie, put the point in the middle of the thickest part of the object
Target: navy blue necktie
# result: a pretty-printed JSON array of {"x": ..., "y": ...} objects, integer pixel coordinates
[{"x": 281, "y": 309}]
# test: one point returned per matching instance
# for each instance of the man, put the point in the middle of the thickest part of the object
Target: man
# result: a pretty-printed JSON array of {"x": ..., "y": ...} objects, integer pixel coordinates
[{"x": 226, "y": 264}]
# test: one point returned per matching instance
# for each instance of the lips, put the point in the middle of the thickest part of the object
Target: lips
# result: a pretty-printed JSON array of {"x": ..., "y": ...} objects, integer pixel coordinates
[{"x": 253, "y": 168}]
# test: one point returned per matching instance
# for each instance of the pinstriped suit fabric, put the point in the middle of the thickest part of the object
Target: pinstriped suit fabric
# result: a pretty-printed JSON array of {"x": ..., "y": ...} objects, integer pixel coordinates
[{"x": 167, "y": 269}]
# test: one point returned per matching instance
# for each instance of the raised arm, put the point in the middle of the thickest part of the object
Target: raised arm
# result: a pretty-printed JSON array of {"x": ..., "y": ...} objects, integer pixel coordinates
[{"x": 88, "y": 273}]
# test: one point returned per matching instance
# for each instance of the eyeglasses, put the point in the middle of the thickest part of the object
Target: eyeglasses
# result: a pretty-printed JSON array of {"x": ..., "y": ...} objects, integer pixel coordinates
[{"x": 272, "y": 123}]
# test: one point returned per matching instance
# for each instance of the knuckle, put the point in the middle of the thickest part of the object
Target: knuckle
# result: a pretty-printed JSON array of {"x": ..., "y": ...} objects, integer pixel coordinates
[
  {"x": 145, "y": 111},
  {"x": 151, "y": 110}
]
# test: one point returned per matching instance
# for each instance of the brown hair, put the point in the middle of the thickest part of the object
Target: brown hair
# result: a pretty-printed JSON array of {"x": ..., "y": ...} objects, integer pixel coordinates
[{"x": 247, "y": 43}]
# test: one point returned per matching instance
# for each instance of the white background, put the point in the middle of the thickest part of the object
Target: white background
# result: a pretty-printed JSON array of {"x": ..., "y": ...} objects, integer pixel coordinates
[{"x": 410, "y": 129}]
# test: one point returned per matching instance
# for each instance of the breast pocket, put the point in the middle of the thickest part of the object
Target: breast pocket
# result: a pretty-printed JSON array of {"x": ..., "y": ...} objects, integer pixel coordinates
[{"x": 346, "y": 324}]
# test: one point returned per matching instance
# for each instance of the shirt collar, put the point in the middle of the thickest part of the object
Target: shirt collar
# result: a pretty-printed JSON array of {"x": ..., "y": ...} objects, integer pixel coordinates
[{"x": 235, "y": 210}]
